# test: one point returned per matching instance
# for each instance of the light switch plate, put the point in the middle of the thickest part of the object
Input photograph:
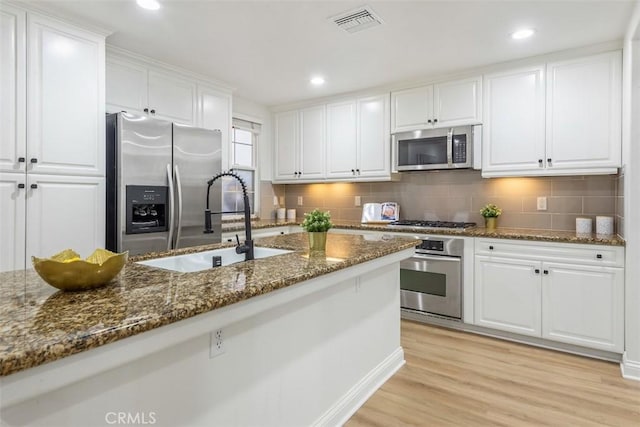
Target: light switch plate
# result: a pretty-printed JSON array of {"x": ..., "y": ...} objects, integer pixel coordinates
[
  {"x": 300, "y": 201},
  {"x": 542, "y": 203},
  {"x": 275, "y": 200},
  {"x": 357, "y": 201}
]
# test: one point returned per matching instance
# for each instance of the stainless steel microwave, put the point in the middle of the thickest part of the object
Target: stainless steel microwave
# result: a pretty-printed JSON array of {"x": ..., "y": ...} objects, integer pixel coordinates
[{"x": 444, "y": 148}]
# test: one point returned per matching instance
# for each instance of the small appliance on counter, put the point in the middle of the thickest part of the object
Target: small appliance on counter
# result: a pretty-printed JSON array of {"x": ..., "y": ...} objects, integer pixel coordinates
[{"x": 380, "y": 213}]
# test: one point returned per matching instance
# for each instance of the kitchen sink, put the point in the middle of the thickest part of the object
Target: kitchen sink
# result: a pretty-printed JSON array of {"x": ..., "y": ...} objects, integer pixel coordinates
[{"x": 203, "y": 260}]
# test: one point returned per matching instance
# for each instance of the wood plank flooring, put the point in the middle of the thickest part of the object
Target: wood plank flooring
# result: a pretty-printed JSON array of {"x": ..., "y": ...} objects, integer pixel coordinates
[{"x": 454, "y": 378}]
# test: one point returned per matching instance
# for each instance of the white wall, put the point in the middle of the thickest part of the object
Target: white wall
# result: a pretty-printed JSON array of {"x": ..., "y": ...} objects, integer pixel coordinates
[
  {"x": 631, "y": 164},
  {"x": 249, "y": 110}
]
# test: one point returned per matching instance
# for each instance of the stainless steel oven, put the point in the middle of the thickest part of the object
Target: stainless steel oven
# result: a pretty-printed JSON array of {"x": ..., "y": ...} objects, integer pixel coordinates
[{"x": 431, "y": 280}]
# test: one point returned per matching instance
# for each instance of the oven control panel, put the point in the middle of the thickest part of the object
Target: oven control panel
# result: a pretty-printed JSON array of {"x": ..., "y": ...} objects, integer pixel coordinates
[{"x": 431, "y": 245}]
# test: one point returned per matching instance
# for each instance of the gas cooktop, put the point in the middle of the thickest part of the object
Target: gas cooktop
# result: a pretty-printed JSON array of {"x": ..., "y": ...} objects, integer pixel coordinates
[{"x": 406, "y": 223}]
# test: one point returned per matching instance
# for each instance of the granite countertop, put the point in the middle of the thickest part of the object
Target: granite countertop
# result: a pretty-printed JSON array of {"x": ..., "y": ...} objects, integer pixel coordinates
[
  {"x": 39, "y": 324},
  {"x": 499, "y": 233}
]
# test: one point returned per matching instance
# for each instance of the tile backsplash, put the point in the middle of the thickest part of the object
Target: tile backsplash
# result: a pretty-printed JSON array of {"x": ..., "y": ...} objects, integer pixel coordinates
[{"x": 459, "y": 195}]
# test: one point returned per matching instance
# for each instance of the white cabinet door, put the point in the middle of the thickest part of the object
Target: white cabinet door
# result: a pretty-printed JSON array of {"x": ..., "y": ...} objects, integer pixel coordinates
[
  {"x": 172, "y": 98},
  {"x": 508, "y": 295},
  {"x": 342, "y": 150},
  {"x": 12, "y": 221},
  {"x": 457, "y": 103},
  {"x": 65, "y": 99},
  {"x": 584, "y": 305},
  {"x": 64, "y": 212},
  {"x": 584, "y": 112},
  {"x": 513, "y": 130},
  {"x": 12, "y": 89},
  {"x": 286, "y": 145},
  {"x": 374, "y": 139},
  {"x": 126, "y": 87},
  {"x": 412, "y": 109},
  {"x": 214, "y": 112},
  {"x": 312, "y": 143}
]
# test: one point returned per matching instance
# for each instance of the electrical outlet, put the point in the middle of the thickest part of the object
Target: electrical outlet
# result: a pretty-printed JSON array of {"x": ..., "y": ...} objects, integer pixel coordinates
[
  {"x": 542, "y": 203},
  {"x": 216, "y": 347},
  {"x": 357, "y": 201},
  {"x": 275, "y": 200},
  {"x": 300, "y": 201}
]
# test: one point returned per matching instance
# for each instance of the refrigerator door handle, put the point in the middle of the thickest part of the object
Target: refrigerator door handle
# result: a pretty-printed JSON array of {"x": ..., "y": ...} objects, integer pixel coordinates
[
  {"x": 179, "y": 210},
  {"x": 171, "y": 206}
]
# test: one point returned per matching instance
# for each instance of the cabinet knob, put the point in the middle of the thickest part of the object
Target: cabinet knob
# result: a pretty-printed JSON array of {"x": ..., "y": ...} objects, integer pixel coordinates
[
  {"x": 599, "y": 256},
  {"x": 490, "y": 248},
  {"x": 295, "y": 173},
  {"x": 353, "y": 171},
  {"x": 34, "y": 186},
  {"x": 545, "y": 271},
  {"x": 429, "y": 121},
  {"x": 299, "y": 173},
  {"x": 152, "y": 111},
  {"x": 549, "y": 161},
  {"x": 146, "y": 110},
  {"x": 229, "y": 240},
  {"x": 282, "y": 232},
  {"x": 21, "y": 185},
  {"x": 358, "y": 171},
  {"x": 34, "y": 160},
  {"x": 435, "y": 120},
  {"x": 537, "y": 270},
  {"x": 540, "y": 162},
  {"x": 21, "y": 160}
]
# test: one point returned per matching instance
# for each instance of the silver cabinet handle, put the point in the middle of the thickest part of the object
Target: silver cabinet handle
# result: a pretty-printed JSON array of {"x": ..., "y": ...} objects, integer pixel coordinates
[
  {"x": 21, "y": 160},
  {"x": 171, "y": 208},
  {"x": 21, "y": 185},
  {"x": 179, "y": 210}
]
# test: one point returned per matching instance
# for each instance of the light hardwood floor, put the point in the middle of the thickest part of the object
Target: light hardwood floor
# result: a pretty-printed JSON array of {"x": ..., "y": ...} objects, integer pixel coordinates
[{"x": 454, "y": 378}]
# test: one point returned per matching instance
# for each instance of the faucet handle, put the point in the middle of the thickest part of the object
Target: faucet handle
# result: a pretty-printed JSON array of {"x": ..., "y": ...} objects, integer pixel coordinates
[{"x": 237, "y": 240}]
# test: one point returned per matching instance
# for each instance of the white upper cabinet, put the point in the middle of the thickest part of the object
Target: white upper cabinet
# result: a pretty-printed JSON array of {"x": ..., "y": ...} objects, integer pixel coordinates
[
  {"x": 172, "y": 97},
  {"x": 12, "y": 89},
  {"x": 342, "y": 150},
  {"x": 358, "y": 141},
  {"x": 65, "y": 99},
  {"x": 300, "y": 144},
  {"x": 584, "y": 102},
  {"x": 136, "y": 87},
  {"x": 453, "y": 103},
  {"x": 374, "y": 149},
  {"x": 513, "y": 130},
  {"x": 560, "y": 119},
  {"x": 312, "y": 142}
]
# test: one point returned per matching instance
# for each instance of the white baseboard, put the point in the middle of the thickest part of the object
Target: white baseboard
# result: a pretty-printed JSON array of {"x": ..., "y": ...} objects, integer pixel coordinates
[
  {"x": 630, "y": 369},
  {"x": 340, "y": 412}
]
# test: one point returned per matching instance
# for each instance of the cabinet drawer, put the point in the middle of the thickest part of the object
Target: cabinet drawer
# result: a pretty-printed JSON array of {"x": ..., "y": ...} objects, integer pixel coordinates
[{"x": 611, "y": 256}]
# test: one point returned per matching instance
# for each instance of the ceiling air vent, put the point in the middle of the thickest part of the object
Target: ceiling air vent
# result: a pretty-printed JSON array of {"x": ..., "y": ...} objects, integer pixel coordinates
[{"x": 357, "y": 19}]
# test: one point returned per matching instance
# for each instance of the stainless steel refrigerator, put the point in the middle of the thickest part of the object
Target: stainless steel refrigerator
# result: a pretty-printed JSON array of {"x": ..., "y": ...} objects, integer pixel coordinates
[{"x": 157, "y": 174}]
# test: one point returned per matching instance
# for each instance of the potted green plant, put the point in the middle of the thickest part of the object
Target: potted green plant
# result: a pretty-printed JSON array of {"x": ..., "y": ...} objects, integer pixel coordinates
[
  {"x": 490, "y": 213},
  {"x": 316, "y": 223}
]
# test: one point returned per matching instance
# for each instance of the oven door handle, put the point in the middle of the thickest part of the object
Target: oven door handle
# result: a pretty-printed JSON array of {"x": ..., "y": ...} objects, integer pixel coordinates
[{"x": 443, "y": 258}]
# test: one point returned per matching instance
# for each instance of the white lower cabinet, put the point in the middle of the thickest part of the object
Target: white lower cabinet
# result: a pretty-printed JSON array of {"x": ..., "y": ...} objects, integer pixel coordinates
[
  {"x": 64, "y": 212},
  {"x": 583, "y": 305},
  {"x": 12, "y": 221},
  {"x": 568, "y": 293},
  {"x": 507, "y": 295}
]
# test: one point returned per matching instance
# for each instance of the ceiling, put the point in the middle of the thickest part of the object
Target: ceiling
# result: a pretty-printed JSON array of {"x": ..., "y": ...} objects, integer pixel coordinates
[{"x": 268, "y": 50}]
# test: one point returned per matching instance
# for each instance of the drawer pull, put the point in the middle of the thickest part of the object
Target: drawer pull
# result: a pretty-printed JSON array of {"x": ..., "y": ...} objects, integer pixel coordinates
[
  {"x": 546, "y": 271},
  {"x": 599, "y": 256},
  {"x": 537, "y": 270},
  {"x": 490, "y": 248}
]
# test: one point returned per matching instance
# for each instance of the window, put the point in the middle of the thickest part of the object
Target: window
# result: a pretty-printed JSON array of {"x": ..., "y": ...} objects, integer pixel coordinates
[{"x": 244, "y": 136}]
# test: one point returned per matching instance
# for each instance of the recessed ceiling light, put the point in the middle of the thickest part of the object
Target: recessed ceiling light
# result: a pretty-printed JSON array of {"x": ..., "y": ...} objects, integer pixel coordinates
[
  {"x": 523, "y": 33},
  {"x": 148, "y": 4},
  {"x": 317, "y": 81}
]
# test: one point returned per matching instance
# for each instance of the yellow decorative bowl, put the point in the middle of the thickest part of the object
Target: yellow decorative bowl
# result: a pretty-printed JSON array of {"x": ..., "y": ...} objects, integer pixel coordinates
[{"x": 68, "y": 272}]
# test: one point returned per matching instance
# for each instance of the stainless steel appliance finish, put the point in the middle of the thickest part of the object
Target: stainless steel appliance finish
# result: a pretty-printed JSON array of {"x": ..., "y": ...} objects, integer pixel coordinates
[
  {"x": 431, "y": 280},
  {"x": 445, "y": 148},
  {"x": 157, "y": 174}
]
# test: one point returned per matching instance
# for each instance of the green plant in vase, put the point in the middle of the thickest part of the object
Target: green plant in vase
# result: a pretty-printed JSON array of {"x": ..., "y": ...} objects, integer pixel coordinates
[
  {"x": 490, "y": 213},
  {"x": 317, "y": 223}
]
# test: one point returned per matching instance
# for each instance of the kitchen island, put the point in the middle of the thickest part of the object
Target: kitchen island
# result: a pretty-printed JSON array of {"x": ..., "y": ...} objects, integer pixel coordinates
[{"x": 295, "y": 339}]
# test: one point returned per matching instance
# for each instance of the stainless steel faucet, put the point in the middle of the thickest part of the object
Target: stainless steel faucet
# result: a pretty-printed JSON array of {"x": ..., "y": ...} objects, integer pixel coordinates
[{"x": 247, "y": 247}]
